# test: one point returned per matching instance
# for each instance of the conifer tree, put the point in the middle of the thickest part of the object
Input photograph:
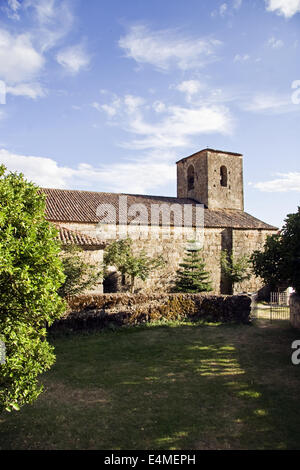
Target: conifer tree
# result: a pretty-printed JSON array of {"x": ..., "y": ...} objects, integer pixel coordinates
[{"x": 192, "y": 276}]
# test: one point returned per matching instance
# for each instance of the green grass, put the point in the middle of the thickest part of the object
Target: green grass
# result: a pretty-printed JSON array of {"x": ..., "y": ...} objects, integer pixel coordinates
[{"x": 176, "y": 386}]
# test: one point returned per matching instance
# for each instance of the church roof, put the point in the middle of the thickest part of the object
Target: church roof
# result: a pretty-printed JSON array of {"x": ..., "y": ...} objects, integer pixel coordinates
[
  {"x": 73, "y": 237},
  {"x": 67, "y": 205},
  {"x": 211, "y": 151}
]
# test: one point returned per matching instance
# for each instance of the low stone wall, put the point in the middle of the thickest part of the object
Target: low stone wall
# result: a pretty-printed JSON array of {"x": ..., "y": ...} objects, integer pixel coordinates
[
  {"x": 295, "y": 310},
  {"x": 113, "y": 310}
]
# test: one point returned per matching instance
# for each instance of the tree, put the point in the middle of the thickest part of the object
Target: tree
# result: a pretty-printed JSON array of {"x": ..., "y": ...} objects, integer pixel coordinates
[
  {"x": 79, "y": 275},
  {"x": 269, "y": 263},
  {"x": 279, "y": 261},
  {"x": 192, "y": 276},
  {"x": 137, "y": 266},
  {"x": 30, "y": 275},
  {"x": 235, "y": 269}
]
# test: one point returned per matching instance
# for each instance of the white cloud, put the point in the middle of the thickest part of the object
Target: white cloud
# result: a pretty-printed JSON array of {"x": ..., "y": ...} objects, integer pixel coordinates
[
  {"x": 29, "y": 90},
  {"x": 159, "y": 106},
  {"x": 287, "y": 8},
  {"x": 130, "y": 176},
  {"x": 23, "y": 56},
  {"x": 226, "y": 9},
  {"x": 237, "y": 4},
  {"x": 274, "y": 103},
  {"x": 133, "y": 103},
  {"x": 19, "y": 60},
  {"x": 178, "y": 126},
  {"x": 223, "y": 9},
  {"x": 190, "y": 88},
  {"x": 44, "y": 9},
  {"x": 165, "y": 49},
  {"x": 174, "y": 129},
  {"x": 110, "y": 109},
  {"x": 54, "y": 21},
  {"x": 241, "y": 58},
  {"x": 275, "y": 43},
  {"x": 284, "y": 183},
  {"x": 12, "y": 9},
  {"x": 73, "y": 58}
]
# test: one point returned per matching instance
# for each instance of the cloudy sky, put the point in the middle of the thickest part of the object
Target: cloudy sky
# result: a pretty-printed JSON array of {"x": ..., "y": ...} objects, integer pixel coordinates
[{"x": 106, "y": 95}]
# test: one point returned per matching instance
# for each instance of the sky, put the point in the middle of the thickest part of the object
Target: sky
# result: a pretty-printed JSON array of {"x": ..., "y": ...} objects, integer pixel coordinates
[{"x": 106, "y": 95}]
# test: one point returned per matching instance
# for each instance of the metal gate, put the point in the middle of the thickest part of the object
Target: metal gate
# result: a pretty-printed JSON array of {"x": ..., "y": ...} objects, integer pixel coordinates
[
  {"x": 279, "y": 306},
  {"x": 277, "y": 309}
]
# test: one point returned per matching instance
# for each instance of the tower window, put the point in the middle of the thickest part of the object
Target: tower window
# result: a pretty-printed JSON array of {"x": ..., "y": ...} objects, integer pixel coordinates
[
  {"x": 191, "y": 177},
  {"x": 223, "y": 176}
]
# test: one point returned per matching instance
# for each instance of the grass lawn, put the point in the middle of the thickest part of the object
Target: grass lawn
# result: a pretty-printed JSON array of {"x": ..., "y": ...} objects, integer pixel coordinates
[{"x": 179, "y": 386}]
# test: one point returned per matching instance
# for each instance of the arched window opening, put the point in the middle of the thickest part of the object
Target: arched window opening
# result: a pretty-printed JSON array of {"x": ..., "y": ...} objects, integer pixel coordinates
[
  {"x": 191, "y": 177},
  {"x": 223, "y": 176}
]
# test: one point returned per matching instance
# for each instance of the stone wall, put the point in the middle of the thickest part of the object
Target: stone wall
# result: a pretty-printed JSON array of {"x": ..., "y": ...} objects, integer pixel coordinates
[
  {"x": 108, "y": 310},
  {"x": 171, "y": 245},
  {"x": 207, "y": 188},
  {"x": 244, "y": 242},
  {"x": 295, "y": 310},
  {"x": 93, "y": 255}
]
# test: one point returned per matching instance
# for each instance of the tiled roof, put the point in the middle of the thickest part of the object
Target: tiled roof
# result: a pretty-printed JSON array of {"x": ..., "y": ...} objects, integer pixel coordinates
[
  {"x": 64, "y": 205},
  {"x": 72, "y": 237},
  {"x": 211, "y": 151}
]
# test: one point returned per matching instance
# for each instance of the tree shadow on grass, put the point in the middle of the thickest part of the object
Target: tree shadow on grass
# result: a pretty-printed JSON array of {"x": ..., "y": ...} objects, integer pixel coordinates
[{"x": 181, "y": 387}]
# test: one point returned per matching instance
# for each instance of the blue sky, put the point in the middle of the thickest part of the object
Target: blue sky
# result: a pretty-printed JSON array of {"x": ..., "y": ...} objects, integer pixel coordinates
[{"x": 108, "y": 95}]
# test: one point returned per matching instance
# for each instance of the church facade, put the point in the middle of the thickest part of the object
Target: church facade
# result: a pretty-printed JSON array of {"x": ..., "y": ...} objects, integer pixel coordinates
[{"x": 209, "y": 207}]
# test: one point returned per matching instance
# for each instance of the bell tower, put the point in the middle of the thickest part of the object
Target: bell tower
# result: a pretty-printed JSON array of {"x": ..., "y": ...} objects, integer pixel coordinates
[{"x": 213, "y": 178}]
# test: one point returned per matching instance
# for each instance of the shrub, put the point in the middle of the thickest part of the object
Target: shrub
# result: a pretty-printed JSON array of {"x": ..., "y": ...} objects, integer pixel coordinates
[
  {"x": 120, "y": 254},
  {"x": 235, "y": 268},
  {"x": 30, "y": 275},
  {"x": 79, "y": 275}
]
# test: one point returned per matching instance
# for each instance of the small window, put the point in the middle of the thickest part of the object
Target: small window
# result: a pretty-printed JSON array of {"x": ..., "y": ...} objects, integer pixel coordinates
[
  {"x": 223, "y": 176},
  {"x": 191, "y": 177}
]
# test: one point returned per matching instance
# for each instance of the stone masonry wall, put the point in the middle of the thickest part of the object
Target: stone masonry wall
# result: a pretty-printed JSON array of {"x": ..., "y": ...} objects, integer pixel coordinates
[
  {"x": 295, "y": 311},
  {"x": 172, "y": 247},
  {"x": 115, "y": 310},
  {"x": 207, "y": 187},
  {"x": 93, "y": 255},
  {"x": 244, "y": 242}
]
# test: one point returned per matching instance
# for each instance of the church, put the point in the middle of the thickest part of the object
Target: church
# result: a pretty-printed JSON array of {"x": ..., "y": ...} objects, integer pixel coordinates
[{"x": 209, "y": 184}]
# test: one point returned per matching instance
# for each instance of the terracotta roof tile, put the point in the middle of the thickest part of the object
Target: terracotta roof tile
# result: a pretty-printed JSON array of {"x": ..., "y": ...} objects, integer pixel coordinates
[
  {"x": 64, "y": 205},
  {"x": 72, "y": 237}
]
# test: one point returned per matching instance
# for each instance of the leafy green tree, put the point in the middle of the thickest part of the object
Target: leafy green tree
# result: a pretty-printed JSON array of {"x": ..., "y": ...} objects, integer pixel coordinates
[
  {"x": 279, "y": 261},
  {"x": 269, "y": 263},
  {"x": 120, "y": 254},
  {"x": 236, "y": 269},
  {"x": 79, "y": 275},
  {"x": 290, "y": 244},
  {"x": 30, "y": 275},
  {"x": 192, "y": 276}
]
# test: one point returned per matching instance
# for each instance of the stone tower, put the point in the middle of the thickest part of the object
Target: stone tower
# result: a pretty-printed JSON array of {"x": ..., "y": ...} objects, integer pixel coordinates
[{"x": 212, "y": 177}]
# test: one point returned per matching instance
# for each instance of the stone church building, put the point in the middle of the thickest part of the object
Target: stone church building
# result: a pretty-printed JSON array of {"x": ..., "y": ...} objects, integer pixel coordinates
[{"x": 209, "y": 179}]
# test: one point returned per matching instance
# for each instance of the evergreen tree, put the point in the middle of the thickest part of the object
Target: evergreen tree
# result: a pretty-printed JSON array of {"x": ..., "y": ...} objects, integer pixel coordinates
[{"x": 192, "y": 276}]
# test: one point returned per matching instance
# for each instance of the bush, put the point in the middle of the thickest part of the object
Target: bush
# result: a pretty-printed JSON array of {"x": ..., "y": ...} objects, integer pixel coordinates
[
  {"x": 79, "y": 275},
  {"x": 30, "y": 275},
  {"x": 121, "y": 255}
]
